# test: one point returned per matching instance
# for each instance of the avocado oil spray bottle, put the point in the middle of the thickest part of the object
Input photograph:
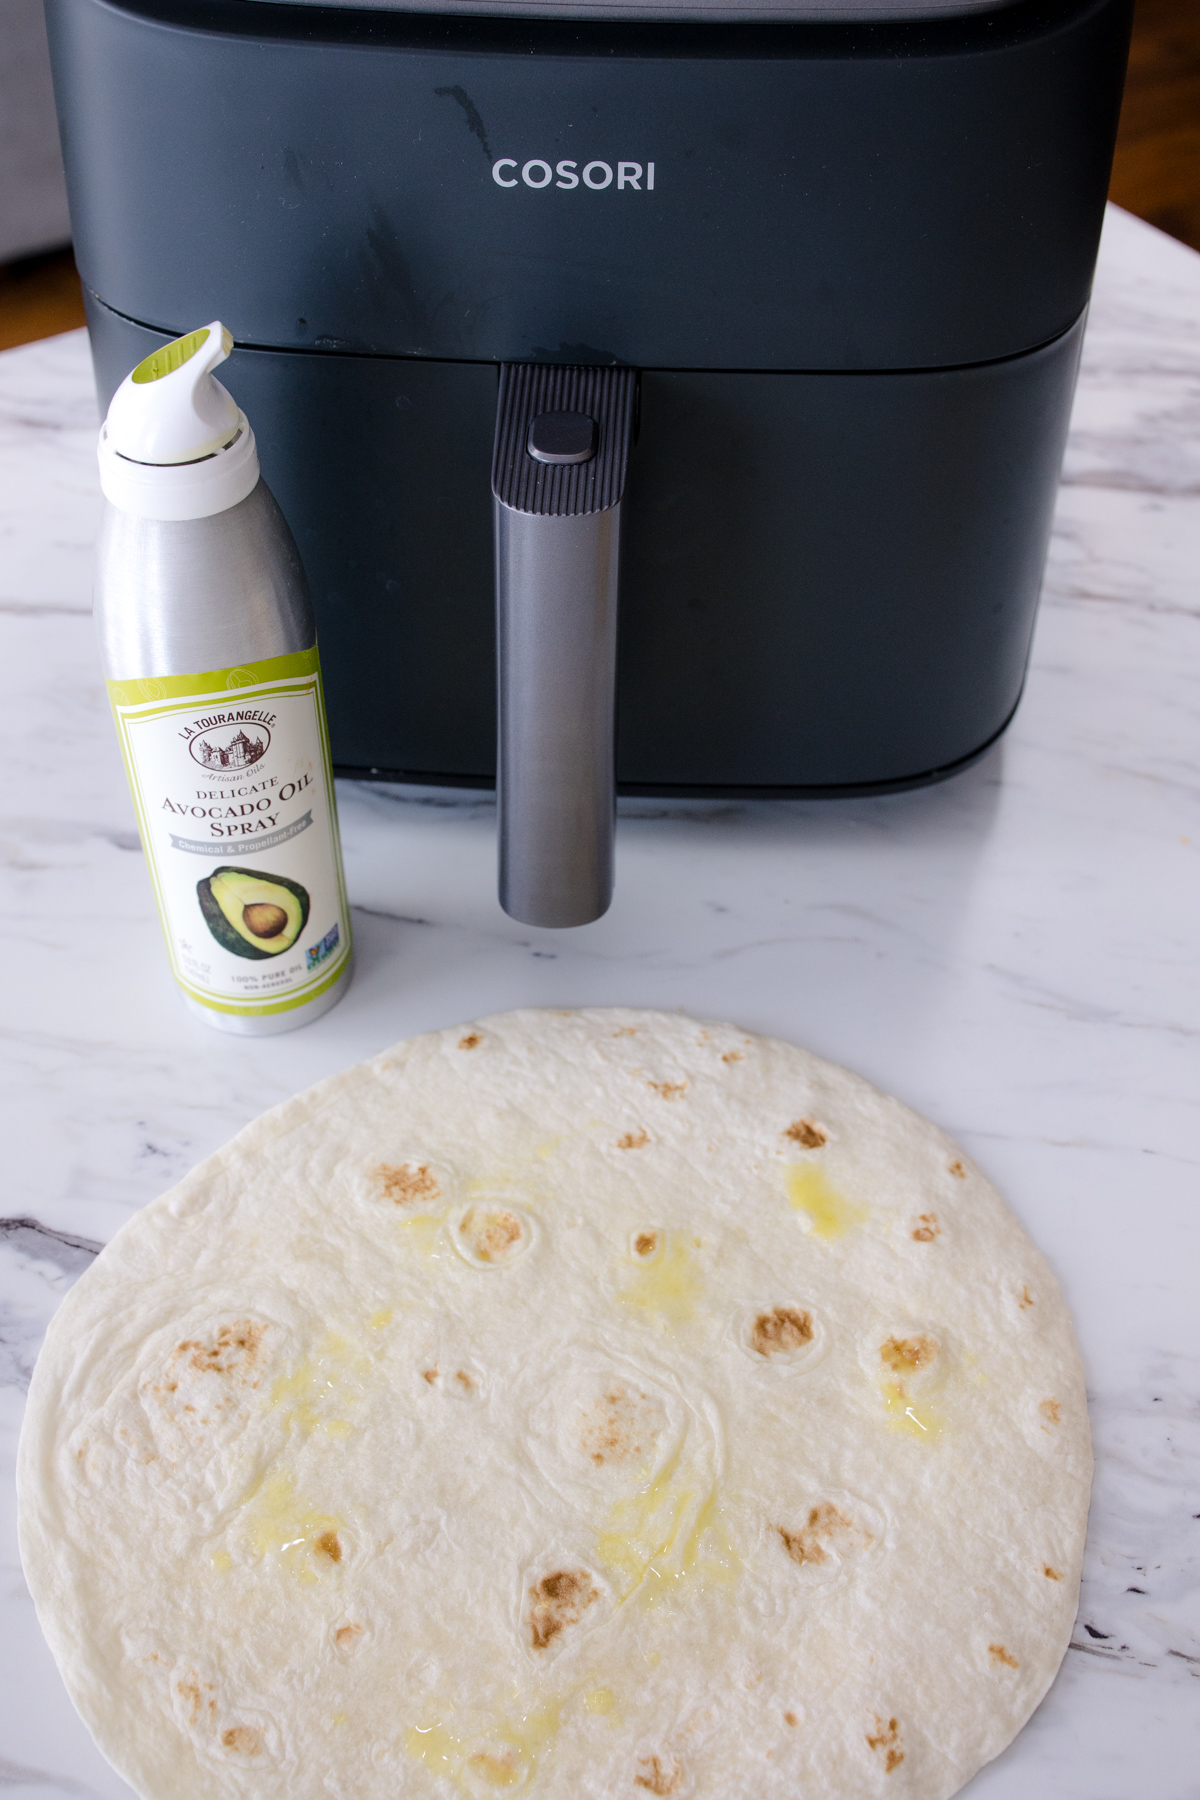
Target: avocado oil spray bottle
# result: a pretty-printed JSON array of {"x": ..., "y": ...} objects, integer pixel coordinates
[{"x": 210, "y": 651}]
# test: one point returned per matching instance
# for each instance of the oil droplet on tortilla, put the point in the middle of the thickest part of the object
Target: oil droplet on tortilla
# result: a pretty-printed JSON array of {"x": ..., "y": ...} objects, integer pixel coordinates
[
  {"x": 810, "y": 1192},
  {"x": 669, "y": 1283},
  {"x": 445, "y": 1753},
  {"x": 600, "y": 1700},
  {"x": 222, "y": 1562},
  {"x": 380, "y": 1319},
  {"x": 316, "y": 1393},
  {"x": 339, "y": 1718},
  {"x": 424, "y": 1233},
  {"x": 535, "y": 1730},
  {"x": 708, "y": 1550},
  {"x": 437, "y": 1748},
  {"x": 661, "y": 1536},
  {"x": 645, "y": 1525},
  {"x": 281, "y": 1524},
  {"x": 497, "y": 1771},
  {"x": 917, "y": 1420}
]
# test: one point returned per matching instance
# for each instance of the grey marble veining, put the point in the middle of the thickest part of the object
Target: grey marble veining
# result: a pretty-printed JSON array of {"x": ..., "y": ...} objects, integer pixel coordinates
[{"x": 1014, "y": 953}]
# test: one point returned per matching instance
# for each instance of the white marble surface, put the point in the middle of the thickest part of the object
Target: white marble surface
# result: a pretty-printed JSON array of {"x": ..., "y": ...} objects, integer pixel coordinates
[{"x": 1013, "y": 953}]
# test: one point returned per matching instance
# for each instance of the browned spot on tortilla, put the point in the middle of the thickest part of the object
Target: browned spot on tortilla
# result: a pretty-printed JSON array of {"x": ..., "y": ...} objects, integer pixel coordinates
[
  {"x": 670, "y": 1090},
  {"x": 807, "y": 1134},
  {"x": 634, "y": 1140},
  {"x": 626, "y": 1031},
  {"x": 784, "y": 1328},
  {"x": 826, "y": 1528},
  {"x": 233, "y": 1352},
  {"x": 886, "y": 1738},
  {"x": 198, "y": 1694},
  {"x": 908, "y": 1356},
  {"x": 645, "y": 1243},
  {"x": 801, "y": 1547},
  {"x": 492, "y": 1235},
  {"x": 999, "y": 1654},
  {"x": 329, "y": 1544},
  {"x": 734, "y": 1056},
  {"x": 345, "y": 1635},
  {"x": 556, "y": 1601},
  {"x": 469, "y": 1042},
  {"x": 243, "y": 1739},
  {"x": 405, "y": 1183},
  {"x": 430, "y": 1375},
  {"x": 1026, "y": 1298},
  {"x": 956, "y": 1168},
  {"x": 614, "y": 1427},
  {"x": 1050, "y": 1574},
  {"x": 927, "y": 1228},
  {"x": 497, "y": 1769},
  {"x": 465, "y": 1381},
  {"x": 790, "y": 1719},
  {"x": 661, "y": 1775},
  {"x": 1051, "y": 1411}
]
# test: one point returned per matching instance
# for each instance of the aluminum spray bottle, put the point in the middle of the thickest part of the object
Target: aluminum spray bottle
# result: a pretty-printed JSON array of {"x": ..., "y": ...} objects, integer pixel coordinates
[{"x": 210, "y": 651}]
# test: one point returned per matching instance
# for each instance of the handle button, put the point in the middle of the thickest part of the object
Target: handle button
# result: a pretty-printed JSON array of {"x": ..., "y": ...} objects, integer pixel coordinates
[{"x": 562, "y": 437}]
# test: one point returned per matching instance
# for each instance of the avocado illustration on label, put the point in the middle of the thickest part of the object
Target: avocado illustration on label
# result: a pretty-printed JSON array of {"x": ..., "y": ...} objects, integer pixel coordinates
[{"x": 253, "y": 914}]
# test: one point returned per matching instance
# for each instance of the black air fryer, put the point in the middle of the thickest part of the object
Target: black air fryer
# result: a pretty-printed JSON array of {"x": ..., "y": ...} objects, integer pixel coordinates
[{"x": 753, "y": 326}]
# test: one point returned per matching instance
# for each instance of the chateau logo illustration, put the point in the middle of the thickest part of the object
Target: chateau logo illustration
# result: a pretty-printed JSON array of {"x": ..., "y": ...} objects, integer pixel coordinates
[{"x": 230, "y": 747}]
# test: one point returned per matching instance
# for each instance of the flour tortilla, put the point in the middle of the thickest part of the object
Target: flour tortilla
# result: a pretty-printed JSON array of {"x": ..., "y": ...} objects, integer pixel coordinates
[{"x": 587, "y": 1405}]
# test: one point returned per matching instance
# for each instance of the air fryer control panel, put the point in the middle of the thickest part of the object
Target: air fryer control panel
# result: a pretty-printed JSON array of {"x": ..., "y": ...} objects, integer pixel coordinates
[{"x": 723, "y": 197}]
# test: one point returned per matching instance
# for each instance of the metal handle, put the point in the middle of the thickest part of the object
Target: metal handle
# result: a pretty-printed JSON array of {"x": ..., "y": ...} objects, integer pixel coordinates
[{"x": 562, "y": 444}]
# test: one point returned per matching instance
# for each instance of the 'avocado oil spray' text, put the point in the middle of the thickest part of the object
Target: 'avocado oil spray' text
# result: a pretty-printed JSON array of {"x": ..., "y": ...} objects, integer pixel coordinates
[{"x": 210, "y": 650}]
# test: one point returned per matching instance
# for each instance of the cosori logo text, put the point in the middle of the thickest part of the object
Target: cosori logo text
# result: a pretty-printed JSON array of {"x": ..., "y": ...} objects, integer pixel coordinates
[{"x": 596, "y": 175}]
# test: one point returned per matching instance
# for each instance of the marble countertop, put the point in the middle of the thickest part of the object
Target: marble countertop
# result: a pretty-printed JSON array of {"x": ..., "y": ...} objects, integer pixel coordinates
[{"x": 1013, "y": 953}]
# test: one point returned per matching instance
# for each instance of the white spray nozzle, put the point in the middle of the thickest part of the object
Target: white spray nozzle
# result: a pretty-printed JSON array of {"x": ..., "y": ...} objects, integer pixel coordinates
[
  {"x": 175, "y": 444},
  {"x": 170, "y": 409}
]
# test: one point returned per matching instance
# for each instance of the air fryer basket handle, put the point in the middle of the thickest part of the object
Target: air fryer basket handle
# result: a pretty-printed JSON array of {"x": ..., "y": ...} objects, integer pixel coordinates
[{"x": 562, "y": 445}]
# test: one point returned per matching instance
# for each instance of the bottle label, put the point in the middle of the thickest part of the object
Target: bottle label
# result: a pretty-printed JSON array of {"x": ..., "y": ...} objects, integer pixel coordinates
[{"x": 233, "y": 786}]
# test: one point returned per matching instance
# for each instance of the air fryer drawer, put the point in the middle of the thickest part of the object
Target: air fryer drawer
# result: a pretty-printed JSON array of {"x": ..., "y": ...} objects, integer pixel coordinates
[{"x": 829, "y": 580}]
